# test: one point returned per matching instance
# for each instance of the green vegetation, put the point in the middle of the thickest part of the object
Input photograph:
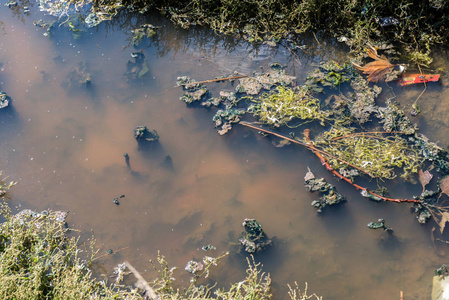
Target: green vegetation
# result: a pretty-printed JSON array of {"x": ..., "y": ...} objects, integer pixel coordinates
[
  {"x": 42, "y": 259},
  {"x": 371, "y": 151},
  {"x": 407, "y": 29},
  {"x": 285, "y": 105}
]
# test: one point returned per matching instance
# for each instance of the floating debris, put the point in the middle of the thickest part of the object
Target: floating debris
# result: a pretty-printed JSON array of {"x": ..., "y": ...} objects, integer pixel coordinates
[
  {"x": 329, "y": 193},
  {"x": 109, "y": 251},
  {"x": 418, "y": 78},
  {"x": 380, "y": 68},
  {"x": 253, "y": 238},
  {"x": 142, "y": 134},
  {"x": 208, "y": 247},
  {"x": 4, "y": 102},
  {"x": 380, "y": 224},
  {"x": 116, "y": 202}
]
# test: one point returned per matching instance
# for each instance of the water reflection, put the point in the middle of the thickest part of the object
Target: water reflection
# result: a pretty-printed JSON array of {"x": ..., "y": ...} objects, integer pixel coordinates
[{"x": 65, "y": 144}]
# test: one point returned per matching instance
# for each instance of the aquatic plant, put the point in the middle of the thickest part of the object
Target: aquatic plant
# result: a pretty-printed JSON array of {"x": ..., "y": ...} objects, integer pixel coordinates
[
  {"x": 328, "y": 192},
  {"x": 4, "y": 187},
  {"x": 284, "y": 106},
  {"x": 373, "y": 152}
]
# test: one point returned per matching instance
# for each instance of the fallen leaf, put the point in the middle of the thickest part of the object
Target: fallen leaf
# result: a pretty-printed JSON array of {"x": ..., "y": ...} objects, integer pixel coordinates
[
  {"x": 444, "y": 185},
  {"x": 309, "y": 175},
  {"x": 376, "y": 69},
  {"x": 444, "y": 219},
  {"x": 424, "y": 178}
]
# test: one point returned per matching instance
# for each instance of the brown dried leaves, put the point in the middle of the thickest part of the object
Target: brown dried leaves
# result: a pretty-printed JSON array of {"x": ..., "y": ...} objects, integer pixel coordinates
[
  {"x": 444, "y": 185},
  {"x": 376, "y": 69},
  {"x": 424, "y": 178}
]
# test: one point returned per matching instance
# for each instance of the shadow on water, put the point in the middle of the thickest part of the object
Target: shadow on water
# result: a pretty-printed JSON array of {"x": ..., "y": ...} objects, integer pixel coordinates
[{"x": 11, "y": 123}]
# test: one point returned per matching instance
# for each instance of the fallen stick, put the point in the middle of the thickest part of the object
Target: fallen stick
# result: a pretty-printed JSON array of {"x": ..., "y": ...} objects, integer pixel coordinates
[
  {"x": 215, "y": 80},
  {"x": 142, "y": 282},
  {"x": 348, "y": 180},
  {"x": 319, "y": 153},
  {"x": 295, "y": 56},
  {"x": 304, "y": 145}
]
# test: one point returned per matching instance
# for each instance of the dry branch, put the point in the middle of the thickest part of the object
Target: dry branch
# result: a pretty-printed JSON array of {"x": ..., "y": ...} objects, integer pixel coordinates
[
  {"x": 304, "y": 145},
  {"x": 216, "y": 80},
  {"x": 142, "y": 282},
  {"x": 319, "y": 153}
]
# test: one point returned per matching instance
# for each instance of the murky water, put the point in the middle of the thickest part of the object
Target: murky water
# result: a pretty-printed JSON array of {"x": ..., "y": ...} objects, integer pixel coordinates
[{"x": 64, "y": 144}]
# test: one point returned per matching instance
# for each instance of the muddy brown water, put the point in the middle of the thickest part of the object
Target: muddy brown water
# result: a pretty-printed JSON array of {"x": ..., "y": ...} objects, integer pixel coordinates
[{"x": 64, "y": 145}]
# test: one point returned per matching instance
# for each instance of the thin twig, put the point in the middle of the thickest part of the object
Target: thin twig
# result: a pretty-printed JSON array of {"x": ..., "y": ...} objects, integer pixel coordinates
[
  {"x": 304, "y": 145},
  {"x": 319, "y": 44},
  {"x": 295, "y": 56},
  {"x": 215, "y": 80},
  {"x": 348, "y": 180},
  {"x": 319, "y": 153}
]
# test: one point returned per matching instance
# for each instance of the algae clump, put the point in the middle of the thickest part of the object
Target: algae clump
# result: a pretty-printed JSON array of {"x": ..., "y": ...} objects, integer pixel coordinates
[{"x": 284, "y": 105}]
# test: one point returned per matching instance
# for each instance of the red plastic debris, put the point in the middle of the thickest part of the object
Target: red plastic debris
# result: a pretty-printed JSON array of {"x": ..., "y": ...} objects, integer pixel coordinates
[{"x": 418, "y": 78}]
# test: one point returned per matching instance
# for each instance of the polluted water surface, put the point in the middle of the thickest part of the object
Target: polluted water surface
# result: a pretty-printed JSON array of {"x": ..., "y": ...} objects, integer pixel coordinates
[{"x": 78, "y": 100}]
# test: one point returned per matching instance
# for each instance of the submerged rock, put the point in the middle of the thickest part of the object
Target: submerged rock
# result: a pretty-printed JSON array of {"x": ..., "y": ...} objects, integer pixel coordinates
[
  {"x": 380, "y": 224},
  {"x": 142, "y": 134},
  {"x": 253, "y": 238}
]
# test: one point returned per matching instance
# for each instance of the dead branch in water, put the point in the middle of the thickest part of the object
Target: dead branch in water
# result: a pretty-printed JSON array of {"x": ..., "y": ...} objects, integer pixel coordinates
[
  {"x": 319, "y": 153},
  {"x": 348, "y": 180},
  {"x": 304, "y": 145},
  {"x": 215, "y": 80},
  {"x": 142, "y": 282}
]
